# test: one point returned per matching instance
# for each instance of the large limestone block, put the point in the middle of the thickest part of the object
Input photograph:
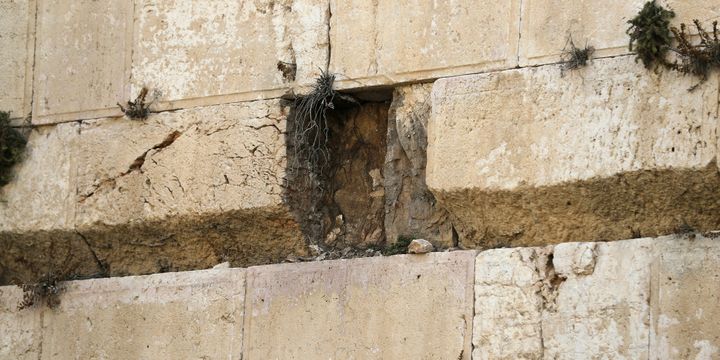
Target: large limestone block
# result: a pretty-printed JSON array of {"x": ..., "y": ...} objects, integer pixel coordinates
[
  {"x": 613, "y": 151},
  {"x": 401, "y": 307},
  {"x": 20, "y": 331},
  {"x": 82, "y": 59},
  {"x": 635, "y": 299},
  {"x": 37, "y": 210},
  {"x": 196, "y": 315},
  {"x": 189, "y": 188},
  {"x": 41, "y": 194},
  {"x": 547, "y": 24},
  {"x": 17, "y": 43},
  {"x": 387, "y": 42},
  {"x": 215, "y": 51},
  {"x": 600, "y": 303},
  {"x": 685, "y": 299}
]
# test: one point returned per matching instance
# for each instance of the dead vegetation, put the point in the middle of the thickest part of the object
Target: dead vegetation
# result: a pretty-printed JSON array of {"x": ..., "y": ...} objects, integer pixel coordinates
[
  {"x": 44, "y": 292},
  {"x": 697, "y": 59},
  {"x": 573, "y": 57},
  {"x": 12, "y": 148},
  {"x": 138, "y": 109}
]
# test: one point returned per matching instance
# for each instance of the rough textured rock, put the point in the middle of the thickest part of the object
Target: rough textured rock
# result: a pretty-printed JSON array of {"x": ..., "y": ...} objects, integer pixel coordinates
[
  {"x": 82, "y": 61},
  {"x": 16, "y": 42},
  {"x": 611, "y": 152},
  {"x": 185, "y": 315},
  {"x": 546, "y": 25},
  {"x": 182, "y": 190},
  {"x": 20, "y": 331},
  {"x": 410, "y": 208},
  {"x": 420, "y": 246},
  {"x": 404, "y": 41},
  {"x": 195, "y": 50},
  {"x": 344, "y": 207},
  {"x": 635, "y": 299},
  {"x": 375, "y": 308}
]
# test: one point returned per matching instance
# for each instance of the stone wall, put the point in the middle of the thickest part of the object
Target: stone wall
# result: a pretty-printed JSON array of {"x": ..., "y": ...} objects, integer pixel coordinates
[{"x": 636, "y": 299}]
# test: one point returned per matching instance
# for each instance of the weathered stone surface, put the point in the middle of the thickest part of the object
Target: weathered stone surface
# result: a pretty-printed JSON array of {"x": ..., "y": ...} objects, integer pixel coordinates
[
  {"x": 194, "y": 50},
  {"x": 20, "y": 337},
  {"x": 194, "y": 187},
  {"x": 420, "y": 246},
  {"x": 195, "y": 315},
  {"x": 16, "y": 42},
  {"x": 529, "y": 157},
  {"x": 410, "y": 208},
  {"x": 685, "y": 298},
  {"x": 644, "y": 299},
  {"x": 180, "y": 191},
  {"x": 82, "y": 59},
  {"x": 603, "y": 313},
  {"x": 546, "y": 25},
  {"x": 387, "y": 42},
  {"x": 401, "y": 307},
  {"x": 40, "y": 197}
]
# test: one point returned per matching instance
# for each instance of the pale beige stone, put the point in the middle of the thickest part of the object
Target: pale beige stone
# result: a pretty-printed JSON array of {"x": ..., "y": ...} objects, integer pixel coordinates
[
  {"x": 16, "y": 41},
  {"x": 533, "y": 127},
  {"x": 195, "y": 315},
  {"x": 401, "y": 307},
  {"x": 82, "y": 59},
  {"x": 685, "y": 299},
  {"x": 547, "y": 24},
  {"x": 420, "y": 246},
  {"x": 508, "y": 309},
  {"x": 387, "y": 42},
  {"x": 603, "y": 313},
  {"x": 20, "y": 331},
  {"x": 41, "y": 195},
  {"x": 192, "y": 50},
  {"x": 531, "y": 157},
  {"x": 650, "y": 298},
  {"x": 195, "y": 161}
]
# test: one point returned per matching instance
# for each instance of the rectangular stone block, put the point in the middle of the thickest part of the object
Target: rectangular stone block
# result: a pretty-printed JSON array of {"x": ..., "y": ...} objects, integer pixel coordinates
[
  {"x": 200, "y": 53},
  {"x": 685, "y": 299},
  {"x": 388, "y": 42},
  {"x": 401, "y": 307},
  {"x": 82, "y": 64},
  {"x": 20, "y": 331},
  {"x": 532, "y": 157},
  {"x": 17, "y": 25},
  {"x": 41, "y": 194},
  {"x": 650, "y": 298},
  {"x": 547, "y": 24},
  {"x": 195, "y": 315}
]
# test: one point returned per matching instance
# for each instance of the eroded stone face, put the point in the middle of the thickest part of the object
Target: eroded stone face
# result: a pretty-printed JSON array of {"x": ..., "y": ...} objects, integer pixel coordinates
[
  {"x": 82, "y": 61},
  {"x": 20, "y": 331},
  {"x": 191, "y": 50},
  {"x": 16, "y": 43},
  {"x": 531, "y": 157},
  {"x": 410, "y": 208},
  {"x": 374, "y": 308},
  {"x": 183, "y": 315},
  {"x": 385, "y": 42},
  {"x": 634, "y": 299}
]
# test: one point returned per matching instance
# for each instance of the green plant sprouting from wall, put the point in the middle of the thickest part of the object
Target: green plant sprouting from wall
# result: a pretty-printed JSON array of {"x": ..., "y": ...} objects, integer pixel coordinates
[
  {"x": 650, "y": 35},
  {"x": 12, "y": 148}
]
